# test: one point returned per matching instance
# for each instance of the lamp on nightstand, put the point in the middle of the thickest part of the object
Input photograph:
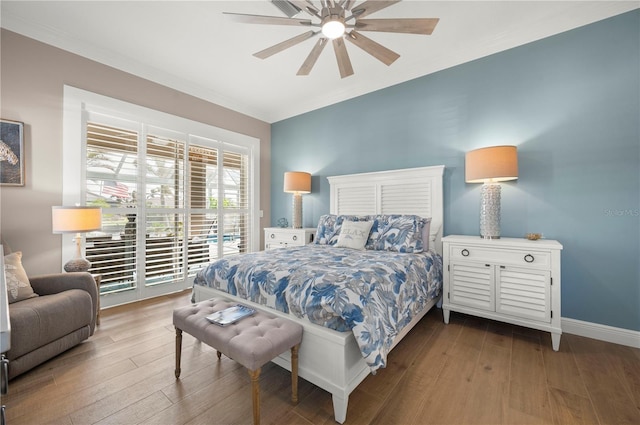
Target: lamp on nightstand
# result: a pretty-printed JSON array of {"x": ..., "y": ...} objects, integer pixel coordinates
[
  {"x": 76, "y": 220},
  {"x": 297, "y": 182},
  {"x": 490, "y": 166}
]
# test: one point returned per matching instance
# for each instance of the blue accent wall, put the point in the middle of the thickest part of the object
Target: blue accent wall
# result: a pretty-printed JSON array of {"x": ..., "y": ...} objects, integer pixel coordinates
[{"x": 571, "y": 103}]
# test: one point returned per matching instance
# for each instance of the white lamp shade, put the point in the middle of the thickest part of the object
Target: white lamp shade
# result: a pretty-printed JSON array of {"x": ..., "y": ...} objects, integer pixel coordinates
[
  {"x": 492, "y": 164},
  {"x": 75, "y": 219},
  {"x": 297, "y": 182}
]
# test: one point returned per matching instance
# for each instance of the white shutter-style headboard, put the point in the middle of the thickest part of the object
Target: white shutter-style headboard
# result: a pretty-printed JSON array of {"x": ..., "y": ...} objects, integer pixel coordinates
[{"x": 408, "y": 191}]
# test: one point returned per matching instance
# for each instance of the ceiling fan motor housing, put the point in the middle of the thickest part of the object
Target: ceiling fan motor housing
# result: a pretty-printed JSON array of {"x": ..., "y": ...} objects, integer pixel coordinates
[{"x": 333, "y": 25}]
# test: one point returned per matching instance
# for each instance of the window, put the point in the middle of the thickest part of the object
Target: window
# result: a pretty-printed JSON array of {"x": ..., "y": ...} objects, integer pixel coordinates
[{"x": 172, "y": 199}]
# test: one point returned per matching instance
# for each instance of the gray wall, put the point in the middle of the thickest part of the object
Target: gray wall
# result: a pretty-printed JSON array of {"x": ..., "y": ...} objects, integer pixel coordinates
[
  {"x": 571, "y": 105},
  {"x": 33, "y": 75}
]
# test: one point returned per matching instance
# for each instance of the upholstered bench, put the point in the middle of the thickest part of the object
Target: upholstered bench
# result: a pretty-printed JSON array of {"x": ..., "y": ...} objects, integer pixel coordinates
[{"x": 252, "y": 341}]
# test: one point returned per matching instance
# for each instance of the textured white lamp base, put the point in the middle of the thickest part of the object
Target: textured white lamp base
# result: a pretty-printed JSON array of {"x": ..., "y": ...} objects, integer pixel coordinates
[
  {"x": 77, "y": 265},
  {"x": 490, "y": 211},
  {"x": 297, "y": 211}
]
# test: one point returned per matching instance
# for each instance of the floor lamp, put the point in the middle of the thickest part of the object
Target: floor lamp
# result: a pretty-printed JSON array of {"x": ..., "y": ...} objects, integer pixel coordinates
[
  {"x": 490, "y": 166},
  {"x": 76, "y": 220},
  {"x": 297, "y": 182}
]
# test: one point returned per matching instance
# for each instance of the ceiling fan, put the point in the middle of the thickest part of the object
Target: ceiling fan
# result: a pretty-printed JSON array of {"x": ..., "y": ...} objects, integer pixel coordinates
[{"x": 336, "y": 21}]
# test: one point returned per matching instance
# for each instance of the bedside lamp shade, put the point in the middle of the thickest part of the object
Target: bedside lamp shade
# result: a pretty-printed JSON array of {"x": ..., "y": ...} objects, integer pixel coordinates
[
  {"x": 490, "y": 166},
  {"x": 297, "y": 182},
  {"x": 76, "y": 220},
  {"x": 493, "y": 164}
]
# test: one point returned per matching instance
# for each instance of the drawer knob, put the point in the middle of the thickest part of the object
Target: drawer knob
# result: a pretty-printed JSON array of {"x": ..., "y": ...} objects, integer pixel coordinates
[
  {"x": 272, "y": 235},
  {"x": 465, "y": 252},
  {"x": 529, "y": 258},
  {"x": 295, "y": 237}
]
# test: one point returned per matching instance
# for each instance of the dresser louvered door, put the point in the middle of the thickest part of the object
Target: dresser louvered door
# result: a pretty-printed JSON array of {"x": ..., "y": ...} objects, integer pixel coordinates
[
  {"x": 472, "y": 285},
  {"x": 523, "y": 293}
]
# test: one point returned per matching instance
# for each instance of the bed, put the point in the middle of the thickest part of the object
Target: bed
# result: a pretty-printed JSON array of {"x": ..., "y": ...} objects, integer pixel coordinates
[{"x": 339, "y": 349}]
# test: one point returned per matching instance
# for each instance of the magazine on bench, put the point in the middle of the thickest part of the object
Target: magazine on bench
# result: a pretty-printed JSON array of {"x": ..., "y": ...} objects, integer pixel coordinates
[{"x": 230, "y": 315}]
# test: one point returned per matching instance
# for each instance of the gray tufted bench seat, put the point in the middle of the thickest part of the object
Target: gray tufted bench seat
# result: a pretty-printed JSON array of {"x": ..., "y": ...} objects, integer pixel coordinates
[{"x": 252, "y": 341}]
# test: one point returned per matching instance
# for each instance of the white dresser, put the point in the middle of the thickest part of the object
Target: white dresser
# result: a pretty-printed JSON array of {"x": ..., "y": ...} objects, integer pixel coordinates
[
  {"x": 510, "y": 280},
  {"x": 282, "y": 237}
]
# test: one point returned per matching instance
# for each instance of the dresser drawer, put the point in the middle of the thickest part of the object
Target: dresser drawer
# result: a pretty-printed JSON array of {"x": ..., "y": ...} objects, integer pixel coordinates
[
  {"x": 279, "y": 237},
  {"x": 514, "y": 257},
  {"x": 286, "y": 237}
]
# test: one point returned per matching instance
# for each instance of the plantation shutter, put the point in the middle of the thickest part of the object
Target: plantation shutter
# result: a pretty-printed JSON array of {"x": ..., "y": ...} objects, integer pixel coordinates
[
  {"x": 164, "y": 210},
  {"x": 171, "y": 203},
  {"x": 203, "y": 219},
  {"x": 111, "y": 183},
  {"x": 236, "y": 189},
  {"x": 219, "y": 207}
]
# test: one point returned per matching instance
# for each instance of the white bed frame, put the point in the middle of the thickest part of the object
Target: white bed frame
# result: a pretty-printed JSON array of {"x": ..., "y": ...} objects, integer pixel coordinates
[{"x": 330, "y": 359}]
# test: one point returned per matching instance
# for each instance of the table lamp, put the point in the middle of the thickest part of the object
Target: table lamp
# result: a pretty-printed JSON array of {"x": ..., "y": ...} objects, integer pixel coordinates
[
  {"x": 297, "y": 182},
  {"x": 76, "y": 220},
  {"x": 490, "y": 166}
]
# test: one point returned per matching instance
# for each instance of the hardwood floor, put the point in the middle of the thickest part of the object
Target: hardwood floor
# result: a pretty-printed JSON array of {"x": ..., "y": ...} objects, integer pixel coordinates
[{"x": 472, "y": 371}]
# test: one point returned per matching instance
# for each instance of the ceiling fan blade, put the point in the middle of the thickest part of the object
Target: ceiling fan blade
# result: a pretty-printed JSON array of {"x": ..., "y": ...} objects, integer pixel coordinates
[
  {"x": 347, "y": 4},
  {"x": 267, "y": 20},
  {"x": 402, "y": 25},
  {"x": 270, "y": 51},
  {"x": 376, "y": 50},
  {"x": 344, "y": 63},
  {"x": 371, "y": 6},
  {"x": 306, "y": 6},
  {"x": 308, "y": 64}
]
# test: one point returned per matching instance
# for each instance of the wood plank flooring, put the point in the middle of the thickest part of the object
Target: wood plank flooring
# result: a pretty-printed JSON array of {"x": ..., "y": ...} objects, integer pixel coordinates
[{"x": 472, "y": 371}]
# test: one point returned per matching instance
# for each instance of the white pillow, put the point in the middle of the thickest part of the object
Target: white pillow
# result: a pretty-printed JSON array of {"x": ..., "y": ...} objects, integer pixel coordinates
[
  {"x": 18, "y": 285},
  {"x": 354, "y": 234}
]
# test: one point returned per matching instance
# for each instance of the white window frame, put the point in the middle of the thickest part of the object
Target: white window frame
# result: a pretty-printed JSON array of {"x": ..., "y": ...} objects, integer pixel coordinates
[{"x": 78, "y": 103}]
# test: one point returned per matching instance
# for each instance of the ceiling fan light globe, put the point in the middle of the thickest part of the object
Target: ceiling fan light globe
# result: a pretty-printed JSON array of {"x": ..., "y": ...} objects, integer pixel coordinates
[{"x": 333, "y": 29}]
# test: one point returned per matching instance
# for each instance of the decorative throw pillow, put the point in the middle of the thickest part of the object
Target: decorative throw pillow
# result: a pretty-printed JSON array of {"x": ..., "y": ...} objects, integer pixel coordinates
[
  {"x": 399, "y": 233},
  {"x": 343, "y": 219},
  {"x": 329, "y": 227},
  {"x": 326, "y": 229},
  {"x": 354, "y": 234},
  {"x": 18, "y": 286},
  {"x": 429, "y": 234}
]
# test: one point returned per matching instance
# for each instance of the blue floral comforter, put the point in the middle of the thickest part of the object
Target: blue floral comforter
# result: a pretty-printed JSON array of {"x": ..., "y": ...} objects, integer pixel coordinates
[{"x": 372, "y": 293}]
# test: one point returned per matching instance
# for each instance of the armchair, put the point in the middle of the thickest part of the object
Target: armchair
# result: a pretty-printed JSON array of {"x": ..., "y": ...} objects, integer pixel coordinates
[{"x": 62, "y": 315}]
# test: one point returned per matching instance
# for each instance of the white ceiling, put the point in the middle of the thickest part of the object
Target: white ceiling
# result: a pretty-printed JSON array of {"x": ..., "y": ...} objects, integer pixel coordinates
[{"x": 192, "y": 47}]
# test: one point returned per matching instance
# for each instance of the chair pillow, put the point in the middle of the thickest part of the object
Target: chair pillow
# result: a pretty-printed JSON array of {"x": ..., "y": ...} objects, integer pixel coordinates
[{"x": 18, "y": 286}]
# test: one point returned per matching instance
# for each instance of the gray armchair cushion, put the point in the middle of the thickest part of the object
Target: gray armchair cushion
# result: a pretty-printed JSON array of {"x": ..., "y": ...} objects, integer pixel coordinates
[
  {"x": 39, "y": 321},
  {"x": 59, "y": 282}
]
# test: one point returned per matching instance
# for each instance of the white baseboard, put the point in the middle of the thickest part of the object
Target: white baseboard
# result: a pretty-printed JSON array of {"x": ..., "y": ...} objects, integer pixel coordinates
[{"x": 601, "y": 332}]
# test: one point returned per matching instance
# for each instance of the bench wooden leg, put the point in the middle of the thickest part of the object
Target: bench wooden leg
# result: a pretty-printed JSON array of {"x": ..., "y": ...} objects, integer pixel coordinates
[
  {"x": 178, "y": 351},
  {"x": 255, "y": 390},
  {"x": 294, "y": 373}
]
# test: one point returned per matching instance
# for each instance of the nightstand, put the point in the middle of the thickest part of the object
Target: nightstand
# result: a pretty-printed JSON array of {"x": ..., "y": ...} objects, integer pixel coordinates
[
  {"x": 510, "y": 280},
  {"x": 282, "y": 237}
]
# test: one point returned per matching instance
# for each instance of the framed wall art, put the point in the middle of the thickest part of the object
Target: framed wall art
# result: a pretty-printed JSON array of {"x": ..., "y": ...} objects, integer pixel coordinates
[{"x": 11, "y": 153}]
